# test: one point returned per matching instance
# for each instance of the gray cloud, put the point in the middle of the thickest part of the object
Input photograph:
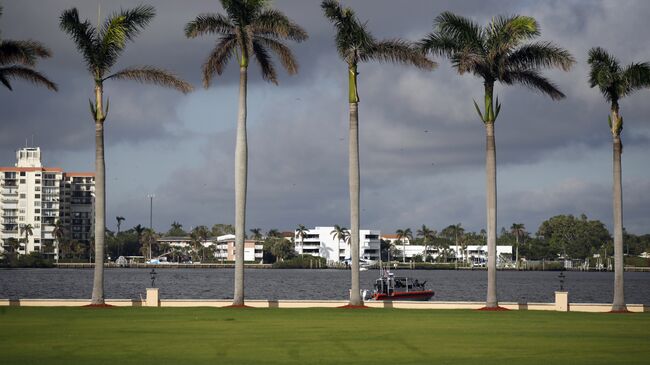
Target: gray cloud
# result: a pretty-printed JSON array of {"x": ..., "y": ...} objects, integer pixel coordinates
[{"x": 419, "y": 131}]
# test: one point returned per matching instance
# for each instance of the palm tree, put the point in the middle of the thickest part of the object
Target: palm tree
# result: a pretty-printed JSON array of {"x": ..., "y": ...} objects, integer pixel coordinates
[
  {"x": 250, "y": 29},
  {"x": 356, "y": 44},
  {"x": 148, "y": 239},
  {"x": 496, "y": 53},
  {"x": 101, "y": 48},
  {"x": 27, "y": 230},
  {"x": 17, "y": 59},
  {"x": 301, "y": 232},
  {"x": 616, "y": 82},
  {"x": 257, "y": 234},
  {"x": 273, "y": 233},
  {"x": 119, "y": 220},
  {"x": 403, "y": 235},
  {"x": 340, "y": 233},
  {"x": 519, "y": 231},
  {"x": 58, "y": 232},
  {"x": 428, "y": 235},
  {"x": 201, "y": 234}
]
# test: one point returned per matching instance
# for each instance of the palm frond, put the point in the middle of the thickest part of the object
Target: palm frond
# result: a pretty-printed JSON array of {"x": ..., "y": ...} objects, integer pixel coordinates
[
  {"x": 119, "y": 28},
  {"x": 264, "y": 59},
  {"x": 218, "y": 58},
  {"x": 352, "y": 37},
  {"x": 399, "y": 51},
  {"x": 208, "y": 24},
  {"x": 505, "y": 32},
  {"x": 462, "y": 30},
  {"x": 541, "y": 55},
  {"x": 636, "y": 76},
  {"x": 534, "y": 80},
  {"x": 604, "y": 72},
  {"x": 274, "y": 23},
  {"x": 22, "y": 52},
  {"x": 334, "y": 11},
  {"x": 83, "y": 34},
  {"x": 438, "y": 44},
  {"x": 283, "y": 52},
  {"x": 25, "y": 73},
  {"x": 152, "y": 75},
  {"x": 242, "y": 12}
]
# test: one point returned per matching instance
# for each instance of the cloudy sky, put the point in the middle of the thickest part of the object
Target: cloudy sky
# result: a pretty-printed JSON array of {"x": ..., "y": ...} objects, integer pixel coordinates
[{"x": 422, "y": 144}]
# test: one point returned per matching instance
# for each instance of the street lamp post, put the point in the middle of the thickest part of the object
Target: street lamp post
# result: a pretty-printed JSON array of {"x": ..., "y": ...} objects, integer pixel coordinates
[{"x": 151, "y": 196}]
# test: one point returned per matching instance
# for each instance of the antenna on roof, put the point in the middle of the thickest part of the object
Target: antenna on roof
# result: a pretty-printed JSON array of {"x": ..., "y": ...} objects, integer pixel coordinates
[{"x": 32, "y": 139}]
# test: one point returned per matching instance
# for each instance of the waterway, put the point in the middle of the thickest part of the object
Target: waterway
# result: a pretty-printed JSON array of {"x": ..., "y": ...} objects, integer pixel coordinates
[{"x": 449, "y": 285}]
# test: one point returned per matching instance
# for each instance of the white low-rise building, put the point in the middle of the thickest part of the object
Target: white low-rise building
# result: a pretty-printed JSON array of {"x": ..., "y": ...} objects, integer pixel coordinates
[
  {"x": 320, "y": 242},
  {"x": 224, "y": 246},
  {"x": 476, "y": 254}
]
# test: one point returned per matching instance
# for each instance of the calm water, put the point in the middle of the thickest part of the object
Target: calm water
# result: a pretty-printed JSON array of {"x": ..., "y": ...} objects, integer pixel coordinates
[{"x": 528, "y": 286}]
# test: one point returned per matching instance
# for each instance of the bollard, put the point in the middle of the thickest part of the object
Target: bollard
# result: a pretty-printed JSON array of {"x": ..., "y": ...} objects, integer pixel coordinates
[
  {"x": 152, "y": 298},
  {"x": 562, "y": 301}
]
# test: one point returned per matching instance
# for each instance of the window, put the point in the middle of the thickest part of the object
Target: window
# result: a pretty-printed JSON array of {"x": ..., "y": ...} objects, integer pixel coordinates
[
  {"x": 37, "y": 188},
  {"x": 22, "y": 173},
  {"x": 37, "y": 196},
  {"x": 38, "y": 174},
  {"x": 37, "y": 240},
  {"x": 37, "y": 211},
  {"x": 22, "y": 181},
  {"x": 37, "y": 219},
  {"x": 23, "y": 196},
  {"x": 38, "y": 181}
]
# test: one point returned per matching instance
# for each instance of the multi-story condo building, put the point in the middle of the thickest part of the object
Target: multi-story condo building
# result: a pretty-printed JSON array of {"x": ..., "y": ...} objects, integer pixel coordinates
[
  {"x": 35, "y": 196},
  {"x": 320, "y": 242}
]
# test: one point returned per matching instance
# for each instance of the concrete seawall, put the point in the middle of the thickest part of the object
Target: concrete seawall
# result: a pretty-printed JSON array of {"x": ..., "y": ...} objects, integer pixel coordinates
[{"x": 153, "y": 301}]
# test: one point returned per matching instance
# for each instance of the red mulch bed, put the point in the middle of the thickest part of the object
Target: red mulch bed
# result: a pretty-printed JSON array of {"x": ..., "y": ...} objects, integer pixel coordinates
[
  {"x": 493, "y": 309},
  {"x": 349, "y": 306},
  {"x": 98, "y": 306}
]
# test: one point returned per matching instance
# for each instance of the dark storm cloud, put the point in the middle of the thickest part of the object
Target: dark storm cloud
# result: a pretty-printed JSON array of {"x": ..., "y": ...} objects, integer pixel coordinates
[{"x": 415, "y": 126}]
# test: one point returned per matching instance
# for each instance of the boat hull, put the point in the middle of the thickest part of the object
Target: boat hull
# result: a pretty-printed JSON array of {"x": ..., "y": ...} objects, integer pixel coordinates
[{"x": 423, "y": 295}]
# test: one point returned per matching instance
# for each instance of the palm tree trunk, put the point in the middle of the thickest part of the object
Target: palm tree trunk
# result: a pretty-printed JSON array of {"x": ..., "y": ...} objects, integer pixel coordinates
[
  {"x": 100, "y": 200},
  {"x": 517, "y": 252},
  {"x": 491, "y": 203},
  {"x": 619, "y": 296},
  {"x": 241, "y": 172},
  {"x": 355, "y": 297}
]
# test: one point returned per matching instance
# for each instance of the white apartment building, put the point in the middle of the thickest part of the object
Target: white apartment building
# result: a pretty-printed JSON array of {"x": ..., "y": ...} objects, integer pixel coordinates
[
  {"x": 320, "y": 242},
  {"x": 31, "y": 194}
]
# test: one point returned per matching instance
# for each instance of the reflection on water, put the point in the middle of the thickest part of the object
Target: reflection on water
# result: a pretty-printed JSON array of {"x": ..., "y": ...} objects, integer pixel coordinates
[{"x": 449, "y": 285}]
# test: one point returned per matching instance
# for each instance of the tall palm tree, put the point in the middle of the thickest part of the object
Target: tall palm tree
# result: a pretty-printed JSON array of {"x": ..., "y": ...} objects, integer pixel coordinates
[
  {"x": 301, "y": 232},
  {"x": 17, "y": 60},
  {"x": 616, "y": 82},
  {"x": 257, "y": 234},
  {"x": 403, "y": 235},
  {"x": 101, "y": 48},
  {"x": 428, "y": 235},
  {"x": 27, "y": 230},
  {"x": 119, "y": 220},
  {"x": 250, "y": 29},
  {"x": 497, "y": 52},
  {"x": 355, "y": 44},
  {"x": 59, "y": 233},
  {"x": 340, "y": 233},
  {"x": 519, "y": 231}
]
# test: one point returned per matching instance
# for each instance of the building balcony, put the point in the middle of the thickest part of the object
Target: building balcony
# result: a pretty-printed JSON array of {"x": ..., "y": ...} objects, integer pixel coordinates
[{"x": 10, "y": 192}]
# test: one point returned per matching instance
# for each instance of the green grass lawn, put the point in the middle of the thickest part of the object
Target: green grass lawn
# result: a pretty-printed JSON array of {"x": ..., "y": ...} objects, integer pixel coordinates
[{"x": 318, "y": 336}]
